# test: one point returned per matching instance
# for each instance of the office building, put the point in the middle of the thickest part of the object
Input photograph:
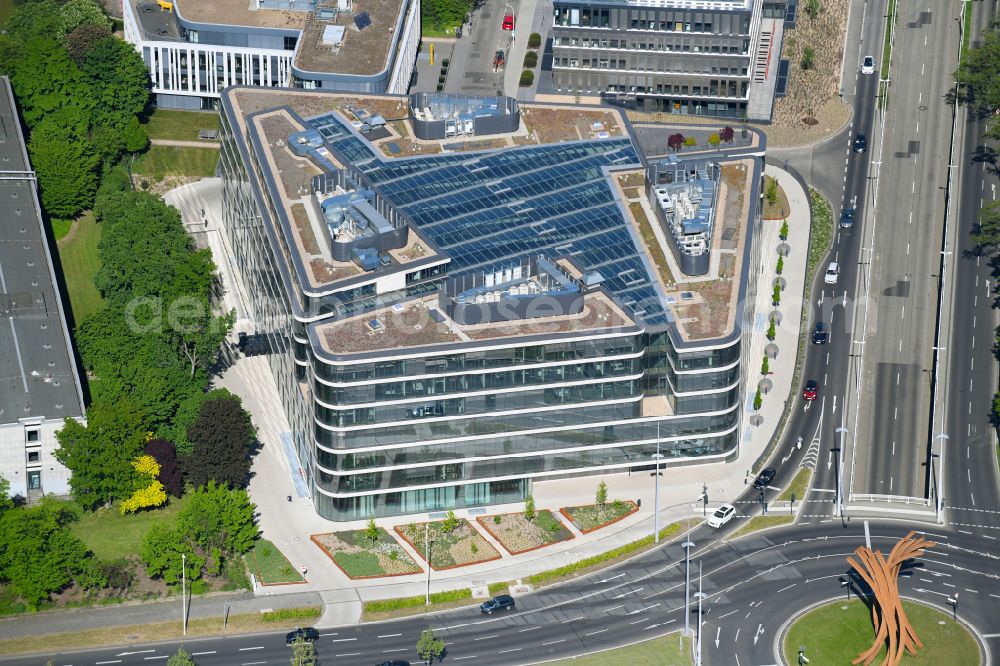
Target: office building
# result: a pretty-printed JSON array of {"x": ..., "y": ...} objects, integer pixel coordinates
[
  {"x": 194, "y": 48},
  {"x": 39, "y": 384},
  {"x": 452, "y": 319},
  {"x": 698, "y": 57}
]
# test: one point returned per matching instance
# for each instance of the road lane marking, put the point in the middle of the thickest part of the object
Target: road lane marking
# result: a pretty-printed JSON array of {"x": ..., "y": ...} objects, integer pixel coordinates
[
  {"x": 510, "y": 650},
  {"x": 573, "y": 620},
  {"x": 623, "y": 594},
  {"x": 599, "y": 631},
  {"x": 160, "y": 656},
  {"x": 608, "y": 610},
  {"x": 561, "y": 640},
  {"x": 342, "y": 640},
  {"x": 396, "y": 650},
  {"x": 485, "y": 638},
  {"x": 643, "y": 610},
  {"x": 258, "y": 647},
  {"x": 349, "y": 654},
  {"x": 198, "y": 654},
  {"x": 529, "y": 629},
  {"x": 388, "y": 635}
]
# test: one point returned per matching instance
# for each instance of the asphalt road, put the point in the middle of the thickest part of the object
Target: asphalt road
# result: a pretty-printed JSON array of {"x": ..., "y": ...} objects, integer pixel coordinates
[
  {"x": 752, "y": 586},
  {"x": 476, "y": 49}
]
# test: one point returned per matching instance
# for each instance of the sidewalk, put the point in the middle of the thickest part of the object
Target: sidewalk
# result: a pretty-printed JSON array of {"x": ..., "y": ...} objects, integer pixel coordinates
[{"x": 679, "y": 492}]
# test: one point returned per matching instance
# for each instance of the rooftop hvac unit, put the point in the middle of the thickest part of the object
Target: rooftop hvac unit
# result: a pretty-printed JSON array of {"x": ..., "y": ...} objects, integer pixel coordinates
[{"x": 374, "y": 326}]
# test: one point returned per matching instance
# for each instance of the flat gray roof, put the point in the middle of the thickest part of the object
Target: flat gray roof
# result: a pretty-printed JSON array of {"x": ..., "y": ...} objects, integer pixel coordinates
[{"x": 38, "y": 376}]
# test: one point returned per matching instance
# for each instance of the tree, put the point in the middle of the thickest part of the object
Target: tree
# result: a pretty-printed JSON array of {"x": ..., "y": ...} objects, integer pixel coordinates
[
  {"x": 771, "y": 191},
  {"x": 808, "y": 57},
  {"x": 529, "y": 508},
  {"x": 771, "y": 332},
  {"x": 978, "y": 73},
  {"x": 149, "y": 491},
  {"x": 534, "y": 40},
  {"x": 765, "y": 366},
  {"x": 690, "y": 142},
  {"x": 776, "y": 295},
  {"x": 527, "y": 78},
  {"x": 602, "y": 493},
  {"x": 223, "y": 439},
  {"x": 100, "y": 454},
  {"x": 186, "y": 415},
  {"x": 170, "y": 474},
  {"x": 118, "y": 575},
  {"x": 135, "y": 136},
  {"x": 450, "y": 523},
  {"x": 675, "y": 141},
  {"x": 303, "y": 652},
  {"x": 783, "y": 232},
  {"x": 38, "y": 554},
  {"x": 986, "y": 234},
  {"x": 372, "y": 531},
  {"x": 531, "y": 59},
  {"x": 82, "y": 38},
  {"x": 120, "y": 81},
  {"x": 429, "y": 647},
  {"x": 180, "y": 658},
  {"x": 66, "y": 169},
  {"x": 6, "y": 501},
  {"x": 757, "y": 401},
  {"x": 196, "y": 332},
  {"x": 163, "y": 551},
  {"x": 714, "y": 140},
  {"x": 779, "y": 268},
  {"x": 726, "y": 134},
  {"x": 219, "y": 517},
  {"x": 45, "y": 81}
]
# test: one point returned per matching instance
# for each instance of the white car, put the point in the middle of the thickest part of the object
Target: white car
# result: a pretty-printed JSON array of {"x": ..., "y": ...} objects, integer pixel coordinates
[
  {"x": 868, "y": 65},
  {"x": 722, "y": 515},
  {"x": 832, "y": 273}
]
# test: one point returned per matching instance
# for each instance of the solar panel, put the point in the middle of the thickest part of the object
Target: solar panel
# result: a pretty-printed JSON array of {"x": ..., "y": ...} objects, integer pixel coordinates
[{"x": 362, "y": 21}]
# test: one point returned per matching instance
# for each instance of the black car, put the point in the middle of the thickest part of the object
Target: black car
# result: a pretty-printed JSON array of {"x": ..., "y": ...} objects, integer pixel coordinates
[
  {"x": 764, "y": 479},
  {"x": 847, "y": 218},
  {"x": 501, "y": 602},
  {"x": 305, "y": 633},
  {"x": 395, "y": 662},
  {"x": 821, "y": 333},
  {"x": 860, "y": 143}
]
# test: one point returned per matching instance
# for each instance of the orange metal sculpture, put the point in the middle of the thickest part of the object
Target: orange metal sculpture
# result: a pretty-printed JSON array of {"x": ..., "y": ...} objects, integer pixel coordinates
[{"x": 888, "y": 617}]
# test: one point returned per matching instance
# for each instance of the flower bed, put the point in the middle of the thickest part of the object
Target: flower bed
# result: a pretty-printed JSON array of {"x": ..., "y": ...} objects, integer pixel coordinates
[
  {"x": 355, "y": 554},
  {"x": 595, "y": 516},
  {"x": 460, "y": 547},
  {"x": 519, "y": 535}
]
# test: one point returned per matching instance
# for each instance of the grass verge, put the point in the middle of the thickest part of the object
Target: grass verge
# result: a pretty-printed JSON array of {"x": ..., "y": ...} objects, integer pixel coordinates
[
  {"x": 176, "y": 125},
  {"x": 780, "y": 210},
  {"x": 838, "y": 632},
  {"x": 111, "y": 535},
  {"x": 270, "y": 565},
  {"x": 149, "y": 633},
  {"x": 662, "y": 651},
  {"x": 966, "y": 31},
  {"x": 890, "y": 22},
  {"x": 797, "y": 487},
  {"x": 427, "y": 31},
  {"x": 760, "y": 523},
  {"x": 383, "y": 609},
  {"x": 160, "y": 161},
  {"x": 80, "y": 263}
]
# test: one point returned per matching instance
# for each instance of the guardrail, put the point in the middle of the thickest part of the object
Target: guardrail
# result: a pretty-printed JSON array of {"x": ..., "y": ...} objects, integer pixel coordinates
[{"x": 889, "y": 499}]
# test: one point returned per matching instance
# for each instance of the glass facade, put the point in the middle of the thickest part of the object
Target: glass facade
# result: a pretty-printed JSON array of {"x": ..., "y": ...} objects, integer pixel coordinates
[{"x": 386, "y": 433}]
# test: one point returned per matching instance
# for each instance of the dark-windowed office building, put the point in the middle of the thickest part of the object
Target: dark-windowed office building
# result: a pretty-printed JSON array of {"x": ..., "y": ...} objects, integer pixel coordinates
[{"x": 450, "y": 321}]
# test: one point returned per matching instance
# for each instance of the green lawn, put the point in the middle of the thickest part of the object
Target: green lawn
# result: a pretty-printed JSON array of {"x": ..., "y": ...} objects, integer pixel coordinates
[
  {"x": 270, "y": 565},
  {"x": 797, "y": 487},
  {"x": 112, "y": 536},
  {"x": 160, "y": 161},
  {"x": 80, "y": 262},
  {"x": 180, "y": 125},
  {"x": 663, "y": 651},
  {"x": 837, "y": 633}
]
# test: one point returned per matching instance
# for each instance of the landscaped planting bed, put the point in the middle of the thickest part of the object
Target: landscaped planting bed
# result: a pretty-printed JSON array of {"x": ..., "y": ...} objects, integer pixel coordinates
[
  {"x": 595, "y": 516},
  {"x": 355, "y": 554},
  {"x": 459, "y": 547},
  {"x": 519, "y": 535},
  {"x": 271, "y": 566}
]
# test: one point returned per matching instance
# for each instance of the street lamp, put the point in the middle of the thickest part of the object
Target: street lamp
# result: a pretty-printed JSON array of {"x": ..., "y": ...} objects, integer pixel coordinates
[
  {"x": 699, "y": 595},
  {"x": 656, "y": 489},
  {"x": 840, "y": 471},
  {"x": 938, "y": 502},
  {"x": 687, "y": 546},
  {"x": 704, "y": 499},
  {"x": 846, "y": 584},
  {"x": 184, "y": 615}
]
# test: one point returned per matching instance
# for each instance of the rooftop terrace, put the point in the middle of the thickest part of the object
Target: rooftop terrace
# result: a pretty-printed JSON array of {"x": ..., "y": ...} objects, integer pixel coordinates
[
  {"x": 238, "y": 12},
  {"x": 420, "y": 323},
  {"x": 363, "y": 52}
]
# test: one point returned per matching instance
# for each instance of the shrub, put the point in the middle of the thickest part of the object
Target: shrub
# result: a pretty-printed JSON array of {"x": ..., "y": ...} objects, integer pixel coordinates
[
  {"x": 497, "y": 519},
  {"x": 690, "y": 142},
  {"x": 386, "y": 605},
  {"x": 757, "y": 401},
  {"x": 771, "y": 192},
  {"x": 675, "y": 141},
  {"x": 530, "y": 59},
  {"x": 529, "y": 508},
  {"x": 765, "y": 366},
  {"x": 474, "y": 548},
  {"x": 601, "y": 497},
  {"x": 781, "y": 266},
  {"x": 450, "y": 522},
  {"x": 808, "y": 57},
  {"x": 527, "y": 78},
  {"x": 307, "y": 612},
  {"x": 776, "y": 296},
  {"x": 534, "y": 40},
  {"x": 770, "y": 331},
  {"x": 496, "y": 588},
  {"x": 813, "y": 8},
  {"x": 783, "y": 232},
  {"x": 714, "y": 140},
  {"x": 726, "y": 134}
]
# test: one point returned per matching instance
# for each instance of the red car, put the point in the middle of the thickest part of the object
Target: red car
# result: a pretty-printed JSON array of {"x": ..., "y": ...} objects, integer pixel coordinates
[
  {"x": 508, "y": 21},
  {"x": 810, "y": 390}
]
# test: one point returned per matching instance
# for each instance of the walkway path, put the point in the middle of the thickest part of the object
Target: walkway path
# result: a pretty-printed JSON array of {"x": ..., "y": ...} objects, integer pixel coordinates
[{"x": 185, "y": 144}]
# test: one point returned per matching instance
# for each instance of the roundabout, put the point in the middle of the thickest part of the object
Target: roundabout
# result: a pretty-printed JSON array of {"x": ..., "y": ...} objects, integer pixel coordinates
[{"x": 838, "y": 631}]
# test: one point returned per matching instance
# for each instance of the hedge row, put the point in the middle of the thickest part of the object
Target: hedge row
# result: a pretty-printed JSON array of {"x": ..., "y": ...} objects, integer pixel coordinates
[
  {"x": 291, "y": 614},
  {"x": 385, "y": 605}
]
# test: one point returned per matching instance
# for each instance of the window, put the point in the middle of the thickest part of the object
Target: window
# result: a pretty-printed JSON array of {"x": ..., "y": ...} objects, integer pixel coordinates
[
  {"x": 193, "y": 36},
  {"x": 32, "y": 436},
  {"x": 34, "y": 480},
  {"x": 34, "y": 456},
  {"x": 290, "y": 43}
]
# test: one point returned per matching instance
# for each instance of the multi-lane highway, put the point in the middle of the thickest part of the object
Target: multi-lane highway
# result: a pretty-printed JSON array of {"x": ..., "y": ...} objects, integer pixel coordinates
[{"x": 752, "y": 586}]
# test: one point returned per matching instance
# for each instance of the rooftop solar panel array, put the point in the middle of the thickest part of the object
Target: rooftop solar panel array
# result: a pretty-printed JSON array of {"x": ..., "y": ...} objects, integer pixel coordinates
[{"x": 495, "y": 207}]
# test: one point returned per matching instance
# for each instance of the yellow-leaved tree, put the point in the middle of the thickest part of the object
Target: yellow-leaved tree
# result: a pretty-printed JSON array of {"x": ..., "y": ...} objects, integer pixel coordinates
[{"x": 147, "y": 496}]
